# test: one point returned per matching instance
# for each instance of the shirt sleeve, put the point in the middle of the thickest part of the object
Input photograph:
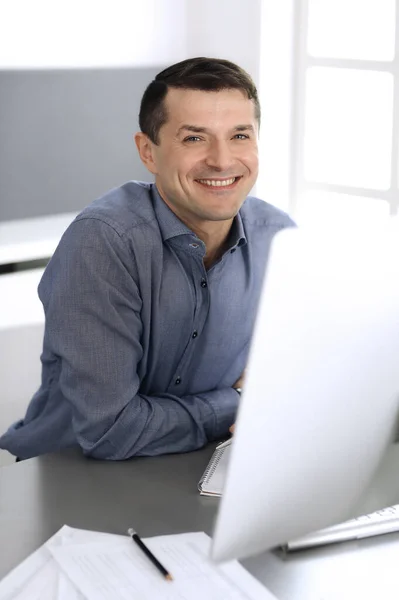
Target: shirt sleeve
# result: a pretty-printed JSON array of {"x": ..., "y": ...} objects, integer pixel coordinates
[{"x": 93, "y": 326}]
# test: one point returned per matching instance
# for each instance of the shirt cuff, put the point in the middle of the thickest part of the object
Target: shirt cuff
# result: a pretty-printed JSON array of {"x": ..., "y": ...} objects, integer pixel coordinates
[{"x": 224, "y": 404}]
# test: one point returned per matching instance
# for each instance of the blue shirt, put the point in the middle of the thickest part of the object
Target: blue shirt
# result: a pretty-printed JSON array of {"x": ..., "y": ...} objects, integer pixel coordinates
[{"x": 142, "y": 344}]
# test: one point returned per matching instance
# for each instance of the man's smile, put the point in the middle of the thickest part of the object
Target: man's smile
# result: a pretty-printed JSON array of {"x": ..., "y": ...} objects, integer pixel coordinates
[{"x": 219, "y": 184}]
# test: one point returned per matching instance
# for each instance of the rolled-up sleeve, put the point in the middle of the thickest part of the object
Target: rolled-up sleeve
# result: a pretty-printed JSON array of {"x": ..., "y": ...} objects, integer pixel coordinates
[{"x": 93, "y": 309}]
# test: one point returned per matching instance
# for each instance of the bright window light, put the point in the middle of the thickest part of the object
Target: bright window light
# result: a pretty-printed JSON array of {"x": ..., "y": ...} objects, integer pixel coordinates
[
  {"x": 357, "y": 29},
  {"x": 340, "y": 210},
  {"x": 348, "y": 127}
]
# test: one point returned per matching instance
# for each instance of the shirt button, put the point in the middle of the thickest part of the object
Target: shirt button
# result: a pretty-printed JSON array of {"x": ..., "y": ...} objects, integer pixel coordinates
[
  {"x": 204, "y": 283},
  {"x": 178, "y": 380},
  {"x": 233, "y": 250},
  {"x": 195, "y": 333}
]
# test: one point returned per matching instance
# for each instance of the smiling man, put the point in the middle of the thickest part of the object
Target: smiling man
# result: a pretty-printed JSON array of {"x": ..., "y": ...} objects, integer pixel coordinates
[
  {"x": 151, "y": 295},
  {"x": 205, "y": 159}
]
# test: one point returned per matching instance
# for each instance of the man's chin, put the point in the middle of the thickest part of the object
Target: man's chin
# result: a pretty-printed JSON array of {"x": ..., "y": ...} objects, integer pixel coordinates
[{"x": 216, "y": 216}]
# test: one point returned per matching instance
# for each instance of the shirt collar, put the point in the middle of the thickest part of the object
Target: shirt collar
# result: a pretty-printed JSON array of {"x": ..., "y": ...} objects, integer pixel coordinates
[
  {"x": 238, "y": 237},
  {"x": 171, "y": 226}
]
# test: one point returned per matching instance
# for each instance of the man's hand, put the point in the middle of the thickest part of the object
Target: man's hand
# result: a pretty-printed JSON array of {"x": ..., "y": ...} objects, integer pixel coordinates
[
  {"x": 238, "y": 384},
  {"x": 240, "y": 381}
]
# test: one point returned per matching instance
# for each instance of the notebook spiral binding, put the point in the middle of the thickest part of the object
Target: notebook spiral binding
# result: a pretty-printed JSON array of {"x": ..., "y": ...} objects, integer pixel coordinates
[{"x": 213, "y": 463}]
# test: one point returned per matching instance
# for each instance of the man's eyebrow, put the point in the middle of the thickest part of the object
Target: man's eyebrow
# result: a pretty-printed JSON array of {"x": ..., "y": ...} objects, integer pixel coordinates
[
  {"x": 192, "y": 128},
  {"x": 244, "y": 128},
  {"x": 197, "y": 129}
]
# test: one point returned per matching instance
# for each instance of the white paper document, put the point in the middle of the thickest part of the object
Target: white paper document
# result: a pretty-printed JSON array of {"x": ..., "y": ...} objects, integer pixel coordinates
[
  {"x": 83, "y": 565},
  {"x": 39, "y": 578}
]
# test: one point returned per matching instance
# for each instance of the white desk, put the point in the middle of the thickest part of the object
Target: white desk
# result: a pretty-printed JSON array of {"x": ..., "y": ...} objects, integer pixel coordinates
[
  {"x": 31, "y": 239},
  {"x": 21, "y": 312}
]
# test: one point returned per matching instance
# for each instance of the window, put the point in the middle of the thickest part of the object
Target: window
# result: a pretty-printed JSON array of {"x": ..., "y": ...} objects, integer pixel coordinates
[{"x": 346, "y": 112}]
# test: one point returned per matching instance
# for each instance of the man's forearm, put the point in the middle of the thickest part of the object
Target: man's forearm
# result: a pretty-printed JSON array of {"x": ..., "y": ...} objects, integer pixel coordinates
[{"x": 149, "y": 426}]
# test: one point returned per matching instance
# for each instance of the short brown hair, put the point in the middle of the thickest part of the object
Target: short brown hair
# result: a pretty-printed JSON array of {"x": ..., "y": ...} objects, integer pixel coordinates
[{"x": 207, "y": 74}]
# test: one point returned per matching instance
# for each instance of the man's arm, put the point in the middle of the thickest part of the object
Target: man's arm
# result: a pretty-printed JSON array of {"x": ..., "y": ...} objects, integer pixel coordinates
[{"x": 93, "y": 325}]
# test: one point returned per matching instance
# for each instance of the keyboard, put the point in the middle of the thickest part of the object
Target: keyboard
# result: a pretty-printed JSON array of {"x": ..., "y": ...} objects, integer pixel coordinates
[{"x": 377, "y": 523}]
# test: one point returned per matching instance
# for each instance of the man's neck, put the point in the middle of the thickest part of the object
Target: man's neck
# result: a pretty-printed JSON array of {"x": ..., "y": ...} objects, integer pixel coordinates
[{"x": 214, "y": 234}]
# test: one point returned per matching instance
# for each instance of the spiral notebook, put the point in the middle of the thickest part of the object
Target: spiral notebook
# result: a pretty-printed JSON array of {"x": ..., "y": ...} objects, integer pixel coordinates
[{"x": 213, "y": 479}]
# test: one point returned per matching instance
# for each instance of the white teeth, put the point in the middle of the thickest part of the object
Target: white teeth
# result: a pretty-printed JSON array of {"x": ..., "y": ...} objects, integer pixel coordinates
[{"x": 217, "y": 182}]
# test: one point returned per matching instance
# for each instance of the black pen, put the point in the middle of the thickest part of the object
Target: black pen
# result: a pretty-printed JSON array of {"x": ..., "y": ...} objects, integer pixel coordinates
[{"x": 149, "y": 554}]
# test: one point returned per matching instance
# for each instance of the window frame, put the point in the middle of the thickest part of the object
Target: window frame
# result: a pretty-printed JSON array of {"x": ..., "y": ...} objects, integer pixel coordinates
[{"x": 302, "y": 61}]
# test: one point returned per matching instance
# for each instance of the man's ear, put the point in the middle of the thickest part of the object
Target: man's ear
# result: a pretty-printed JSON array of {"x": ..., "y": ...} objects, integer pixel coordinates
[{"x": 145, "y": 149}]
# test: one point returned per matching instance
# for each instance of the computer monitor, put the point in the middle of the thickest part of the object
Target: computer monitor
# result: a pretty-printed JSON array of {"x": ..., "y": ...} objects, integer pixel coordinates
[{"x": 320, "y": 401}]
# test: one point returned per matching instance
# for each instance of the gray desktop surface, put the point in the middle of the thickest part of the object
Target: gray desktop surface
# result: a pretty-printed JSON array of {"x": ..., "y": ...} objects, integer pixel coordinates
[{"x": 159, "y": 496}]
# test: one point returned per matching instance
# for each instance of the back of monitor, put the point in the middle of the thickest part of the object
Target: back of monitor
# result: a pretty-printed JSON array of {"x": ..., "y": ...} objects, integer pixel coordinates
[{"x": 320, "y": 402}]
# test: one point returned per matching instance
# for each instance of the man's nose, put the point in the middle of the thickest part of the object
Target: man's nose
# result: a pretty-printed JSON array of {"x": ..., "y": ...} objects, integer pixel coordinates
[{"x": 219, "y": 156}]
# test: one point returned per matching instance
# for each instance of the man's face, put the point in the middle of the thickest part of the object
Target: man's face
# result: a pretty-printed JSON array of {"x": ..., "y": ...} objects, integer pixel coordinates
[{"x": 206, "y": 161}]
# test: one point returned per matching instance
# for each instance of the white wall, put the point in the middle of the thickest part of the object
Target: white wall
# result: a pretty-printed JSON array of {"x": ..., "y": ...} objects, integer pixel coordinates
[
  {"x": 228, "y": 29},
  {"x": 276, "y": 88},
  {"x": 100, "y": 33},
  {"x": 91, "y": 33}
]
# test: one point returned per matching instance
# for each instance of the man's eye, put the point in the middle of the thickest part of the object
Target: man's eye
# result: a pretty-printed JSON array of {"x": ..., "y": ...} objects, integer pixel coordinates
[
  {"x": 192, "y": 138},
  {"x": 241, "y": 136}
]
